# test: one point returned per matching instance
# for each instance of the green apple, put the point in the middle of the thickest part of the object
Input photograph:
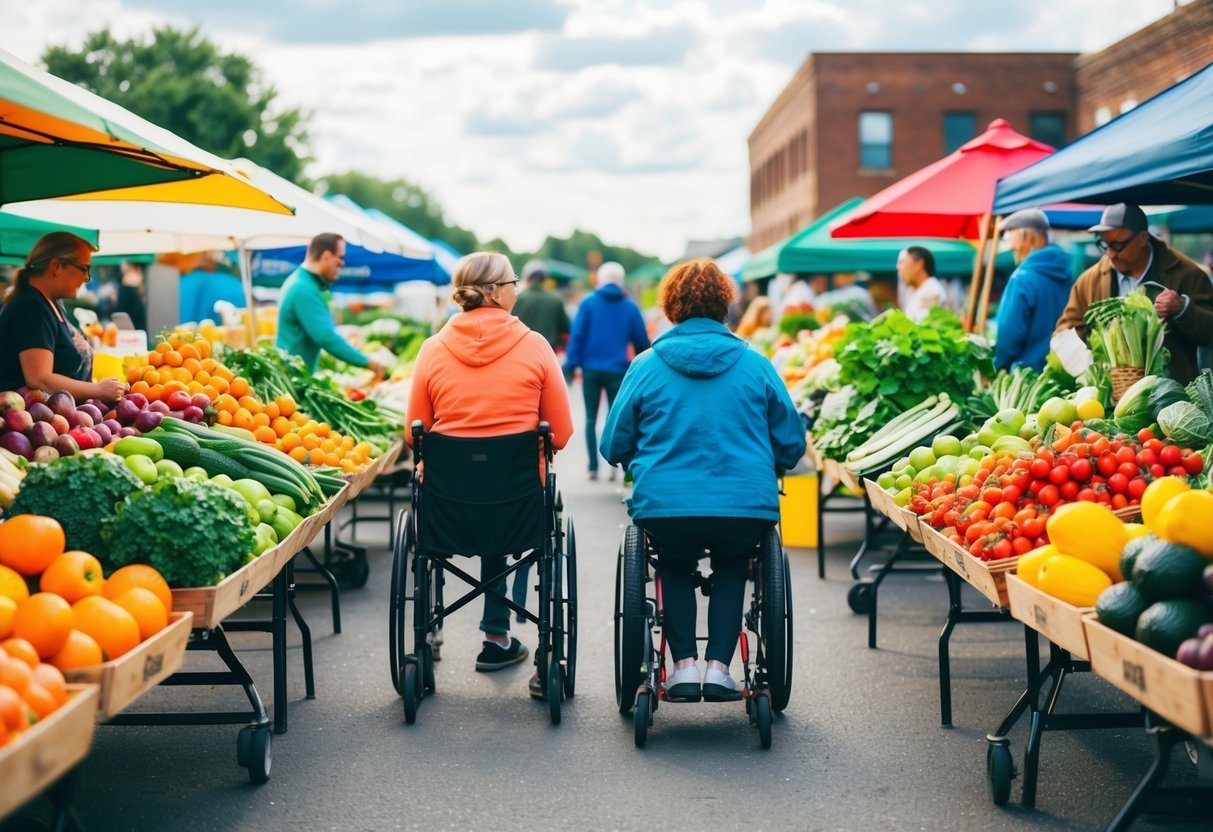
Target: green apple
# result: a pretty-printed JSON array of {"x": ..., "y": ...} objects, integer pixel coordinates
[
  {"x": 903, "y": 482},
  {"x": 166, "y": 468},
  {"x": 922, "y": 457},
  {"x": 945, "y": 445},
  {"x": 1057, "y": 410},
  {"x": 887, "y": 480},
  {"x": 979, "y": 452}
]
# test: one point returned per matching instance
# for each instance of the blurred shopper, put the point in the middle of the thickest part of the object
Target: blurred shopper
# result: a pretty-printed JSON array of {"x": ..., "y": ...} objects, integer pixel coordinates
[
  {"x": 1133, "y": 258},
  {"x": 916, "y": 269},
  {"x": 1036, "y": 292},
  {"x": 540, "y": 308},
  {"x": 607, "y": 324},
  {"x": 757, "y": 316},
  {"x": 203, "y": 284},
  {"x": 692, "y": 493},
  {"x": 305, "y": 324},
  {"x": 130, "y": 295}
]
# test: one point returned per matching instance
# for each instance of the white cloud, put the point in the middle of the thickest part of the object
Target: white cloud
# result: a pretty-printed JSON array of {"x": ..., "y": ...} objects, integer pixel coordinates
[{"x": 628, "y": 118}]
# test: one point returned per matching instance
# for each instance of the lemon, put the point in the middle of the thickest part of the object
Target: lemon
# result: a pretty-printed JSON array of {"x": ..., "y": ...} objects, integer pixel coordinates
[
  {"x": 1156, "y": 496},
  {"x": 1090, "y": 409}
]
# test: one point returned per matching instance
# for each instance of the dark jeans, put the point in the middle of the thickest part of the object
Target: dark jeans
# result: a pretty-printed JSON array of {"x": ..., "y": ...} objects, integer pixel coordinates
[
  {"x": 680, "y": 543},
  {"x": 496, "y": 614},
  {"x": 593, "y": 384}
]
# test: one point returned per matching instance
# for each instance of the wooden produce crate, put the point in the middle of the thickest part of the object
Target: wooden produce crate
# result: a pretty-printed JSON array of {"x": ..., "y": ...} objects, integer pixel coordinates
[
  {"x": 362, "y": 480},
  {"x": 1059, "y": 622},
  {"x": 1172, "y": 690},
  {"x": 44, "y": 753},
  {"x": 903, "y": 518},
  {"x": 211, "y": 604},
  {"x": 812, "y": 454},
  {"x": 881, "y": 500},
  {"x": 987, "y": 577},
  {"x": 842, "y": 475},
  {"x": 129, "y": 676}
]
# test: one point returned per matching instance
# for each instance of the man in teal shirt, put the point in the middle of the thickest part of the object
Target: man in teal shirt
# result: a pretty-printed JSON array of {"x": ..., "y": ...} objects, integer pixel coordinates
[{"x": 305, "y": 324}]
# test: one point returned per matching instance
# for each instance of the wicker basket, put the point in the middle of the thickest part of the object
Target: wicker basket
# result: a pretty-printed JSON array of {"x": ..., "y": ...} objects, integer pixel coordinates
[{"x": 1123, "y": 378}]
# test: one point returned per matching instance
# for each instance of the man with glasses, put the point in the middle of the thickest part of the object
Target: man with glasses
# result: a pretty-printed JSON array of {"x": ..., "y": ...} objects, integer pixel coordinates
[
  {"x": 305, "y": 324},
  {"x": 1134, "y": 258}
]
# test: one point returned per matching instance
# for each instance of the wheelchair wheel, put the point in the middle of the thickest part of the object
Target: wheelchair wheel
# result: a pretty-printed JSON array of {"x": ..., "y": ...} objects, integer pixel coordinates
[
  {"x": 570, "y": 609},
  {"x": 629, "y": 618},
  {"x": 762, "y": 719},
  {"x": 776, "y": 620},
  {"x": 642, "y": 718},
  {"x": 555, "y": 690},
  {"x": 402, "y": 553},
  {"x": 409, "y": 692}
]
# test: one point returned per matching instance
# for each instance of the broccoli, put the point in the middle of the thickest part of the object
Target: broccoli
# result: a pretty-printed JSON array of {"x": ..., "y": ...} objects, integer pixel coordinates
[
  {"x": 80, "y": 492},
  {"x": 194, "y": 533}
]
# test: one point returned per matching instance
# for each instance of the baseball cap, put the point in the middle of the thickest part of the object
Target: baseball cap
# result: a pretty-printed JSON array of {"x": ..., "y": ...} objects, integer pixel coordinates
[
  {"x": 1121, "y": 215},
  {"x": 1032, "y": 219}
]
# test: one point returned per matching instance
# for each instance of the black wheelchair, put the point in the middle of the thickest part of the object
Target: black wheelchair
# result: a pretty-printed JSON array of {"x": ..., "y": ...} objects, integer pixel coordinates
[
  {"x": 640, "y": 655},
  {"x": 482, "y": 497}
]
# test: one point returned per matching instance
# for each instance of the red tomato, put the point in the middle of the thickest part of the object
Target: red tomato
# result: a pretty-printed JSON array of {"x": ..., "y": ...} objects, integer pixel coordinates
[
  {"x": 993, "y": 496},
  {"x": 1011, "y": 494},
  {"x": 1146, "y": 458},
  {"x": 1193, "y": 463},
  {"x": 1153, "y": 446},
  {"x": 1170, "y": 456},
  {"x": 1024, "y": 515},
  {"x": 1021, "y": 545},
  {"x": 1106, "y": 464},
  {"x": 1039, "y": 468},
  {"x": 1002, "y": 549},
  {"x": 1059, "y": 474},
  {"x": 1145, "y": 435},
  {"x": 1034, "y": 527},
  {"x": 1137, "y": 487},
  {"x": 1048, "y": 495},
  {"x": 1118, "y": 483},
  {"x": 1129, "y": 469},
  {"x": 1119, "y": 501},
  {"x": 1004, "y": 510},
  {"x": 1126, "y": 455},
  {"x": 1099, "y": 446},
  {"x": 1020, "y": 481},
  {"x": 1080, "y": 470},
  {"x": 1157, "y": 471},
  {"x": 1069, "y": 491},
  {"x": 1087, "y": 495},
  {"x": 1178, "y": 471}
]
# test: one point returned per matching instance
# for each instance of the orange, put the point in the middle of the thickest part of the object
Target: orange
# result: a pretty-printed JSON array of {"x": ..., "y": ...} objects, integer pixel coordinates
[
  {"x": 328, "y": 445},
  {"x": 80, "y": 650},
  {"x": 7, "y": 607},
  {"x": 12, "y": 711},
  {"x": 239, "y": 387},
  {"x": 140, "y": 387},
  {"x": 115, "y": 629},
  {"x": 243, "y": 419},
  {"x": 142, "y": 576},
  {"x": 40, "y": 699},
  {"x": 156, "y": 393},
  {"x": 194, "y": 387},
  {"x": 209, "y": 364},
  {"x": 224, "y": 373},
  {"x": 12, "y": 585},
  {"x": 44, "y": 620},
  {"x": 133, "y": 374},
  {"x": 19, "y": 648},
  {"x": 272, "y": 410},
  {"x": 147, "y": 610},
  {"x": 264, "y": 433},
  {"x": 155, "y": 359},
  {"x": 50, "y": 678},
  {"x": 163, "y": 347},
  {"x": 310, "y": 441},
  {"x": 203, "y": 348},
  {"x": 290, "y": 440},
  {"x": 224, "y": 418},
  {"x": 17, "y": 675},
  {"x": 323, "y": 429},
  {"x": 72, "y": 576},
  {"x": 249, "y": 403},
  {"x": 286, "y": 405},
  {"x": 28, "y": 543},
  {"x": 188, "y": 352},
  {"x": 182, "y": 375},
  {"x": 331, "y": 459},
  {"x": 224, "y": 402},
  {"x": 211, "y": 391},
  {"x": 173, "y": 358},
  {"x": 202, "y": 377},
  {"x": 260, "y": 419},
  {"x": 192, "y": 365},
  {"x": 299, "y": 453},
  {"x": 281, "y": 426}
]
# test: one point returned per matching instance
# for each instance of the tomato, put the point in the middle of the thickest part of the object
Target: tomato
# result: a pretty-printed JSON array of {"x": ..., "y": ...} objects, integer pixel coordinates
[
  {"x": 993, "y": 496},
  {"x": 1024, "y": 515},
  {"x": 1011, "y": 494},
  {"x": 1146, "y": 458},
  {"x": 1080, "y": 470},
  {"x": 1099, "y": 447},
  {"x": 1157, "y": 471},
  {"x": 1048, "y": 495},
  {"x": 1178, "y": 471},
  {"x": 1106, "y": 464},
  {"x": 1119, "y": 501},
  {"x": 1002, "y": 549},
  {"x": 1005, "y": 510},
  {"x": 1069, "y": 491},
  {"x": 1104, "y": 497},
  {"x": 1020, "y": 481},
  {"x": 1153, "y": 446},
  {"x": 1118, "y": 483},
  {"x": 1039, "y": 468},
  {"x": 1193, "y": 463},
  {"x": 1169, "y": 456},
  {"x": 1145, "y": 435},
  {"x": 1137, "y": 487},
  {"x": 1129, "y": 469},
  {"x": 1059, "y": 474},
  {"x": 1087, "y": 495},
  {"x": 1034, "y": 527},
  {"x": 1021, "y": 545},
  {"x": 1126, "y": 455}
]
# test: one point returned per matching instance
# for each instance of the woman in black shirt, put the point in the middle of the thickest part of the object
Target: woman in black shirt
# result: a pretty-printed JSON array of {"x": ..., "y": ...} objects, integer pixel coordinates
[{"x": 39, "y": 346}]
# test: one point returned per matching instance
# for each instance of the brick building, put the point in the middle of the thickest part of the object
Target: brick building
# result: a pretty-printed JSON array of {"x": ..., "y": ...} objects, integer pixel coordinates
[{"x": 851, "y": 123}]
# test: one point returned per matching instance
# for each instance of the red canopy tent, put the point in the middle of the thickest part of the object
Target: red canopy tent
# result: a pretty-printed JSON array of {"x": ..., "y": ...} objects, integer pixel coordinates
[{"x": 950, "y": 198}]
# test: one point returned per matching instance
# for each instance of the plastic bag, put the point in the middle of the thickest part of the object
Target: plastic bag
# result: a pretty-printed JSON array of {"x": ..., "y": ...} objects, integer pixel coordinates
[{"x": 1075, "y": 356}]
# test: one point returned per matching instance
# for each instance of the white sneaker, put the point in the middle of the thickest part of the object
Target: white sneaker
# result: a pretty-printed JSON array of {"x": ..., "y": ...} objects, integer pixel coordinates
[
  {"x": 718, "y": 686},
  {"x": 683, "y": 685}
]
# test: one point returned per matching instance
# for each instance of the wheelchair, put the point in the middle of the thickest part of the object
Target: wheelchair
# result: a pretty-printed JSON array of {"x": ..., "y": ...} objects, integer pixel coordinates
[
  {"x": 481, "y": 497},
  {"x": 640, "y": 647}
]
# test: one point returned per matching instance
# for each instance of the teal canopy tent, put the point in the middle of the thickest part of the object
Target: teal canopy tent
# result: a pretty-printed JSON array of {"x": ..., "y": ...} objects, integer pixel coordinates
[
  {"x": 19, "y": 234},
  {"x": 814, "y": 250}
]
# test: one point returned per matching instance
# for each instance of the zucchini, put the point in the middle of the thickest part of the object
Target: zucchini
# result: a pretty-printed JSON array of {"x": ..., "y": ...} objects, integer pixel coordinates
[
  {"x": 234, "y": 432},
  {"x": 181, "y": 448},
  {"x": 216, "y": 463}
]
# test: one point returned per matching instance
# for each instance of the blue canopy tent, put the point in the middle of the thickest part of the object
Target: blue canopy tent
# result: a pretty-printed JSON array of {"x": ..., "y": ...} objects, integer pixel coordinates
[
  {"x": 364, "y": 271},
  {"x": 1158, "y": 153}
]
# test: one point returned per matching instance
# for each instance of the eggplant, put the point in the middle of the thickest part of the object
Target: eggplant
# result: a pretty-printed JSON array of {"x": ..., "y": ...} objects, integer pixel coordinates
[
  {"x": 81, "y": 419},
  {"x": 17, "y": 443},
  {"x": 18, "y": 421},
  {"x": 62, "y": 403},
  {"x": 40, "y": 412},
  {"x": 42, "y": 434},
  {"x": 46, "y": 453},
  {"x": 66, "y": 445},
  {"x": 148, "y": 420}
]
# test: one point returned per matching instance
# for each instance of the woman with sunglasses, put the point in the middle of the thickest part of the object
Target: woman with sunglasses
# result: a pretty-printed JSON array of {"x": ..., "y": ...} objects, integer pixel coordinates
[{"x": 39, "y": 345}]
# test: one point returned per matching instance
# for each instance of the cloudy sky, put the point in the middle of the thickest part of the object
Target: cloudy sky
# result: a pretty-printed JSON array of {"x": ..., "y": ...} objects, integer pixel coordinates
[{"x": 628, "y": 118}]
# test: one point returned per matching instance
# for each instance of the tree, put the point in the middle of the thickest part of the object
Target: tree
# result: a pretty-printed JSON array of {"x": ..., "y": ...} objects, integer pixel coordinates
[
  {"x": 403, "y": 201},
  {"x": 182, "y": 82},
  {"x": 586, "y": 249}
]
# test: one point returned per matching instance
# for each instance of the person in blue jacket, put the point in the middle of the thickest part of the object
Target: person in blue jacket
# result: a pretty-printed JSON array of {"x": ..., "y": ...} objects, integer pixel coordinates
[
  {"x": 606, "y": 324},
  {"x": 305, "y": 324},
  {"x": 705, "y": 425},
  {"x": 1036, "y": 293}
]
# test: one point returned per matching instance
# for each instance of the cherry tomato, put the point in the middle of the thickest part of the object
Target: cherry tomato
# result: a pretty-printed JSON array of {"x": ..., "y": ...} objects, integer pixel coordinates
[
  {"x": 1069, "y": 491},
  {"x": 1146, "y": 458},
  {"x": 1099, "y": 447},
  {"x": 1106, "y": 464},
  {"x": 1003, "y": 549},
  {"x": 1169, "y": 456},
  {"x": 1034, "y": 527},
  {"x": 1048, "y": 495},
  {"x": 1024, "y": 515},
  {"x": 1145, "y": 435},
  {"x": 1153, "y": 446},
  {"x": 1039, "y": 468},
  {"x": 1021, "y": 545},
  {"x": 1087, "y": 495},
  {"x": 1117, "y": 483},
  {"x": 1020, "y": 481},
  {"x": 1104, "y": 497},
  {"x": 992, "y": 495},
  {"x": 1127, "y": 455},
  {"x": 1178, "y": 471},
  {"x": 1137, "y": 487},
  {"x": 1005, "y": 510},
  {"x": 1193, "y": 463},
  {"x": 1157, "y": 471},
  {"x": 1119, "y": 501},
  {"x": 1129, "y": 469},
  {"x": 1047, "y": 456},
  {"x": 1080, "y": 470},
  {"x": 1059, "y": 474}
]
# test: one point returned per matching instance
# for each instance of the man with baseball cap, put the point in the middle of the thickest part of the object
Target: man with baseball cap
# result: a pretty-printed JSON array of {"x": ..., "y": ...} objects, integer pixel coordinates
[
  {"x": 1035, "y": 295},
  {"x": 1134, "y": 258}
]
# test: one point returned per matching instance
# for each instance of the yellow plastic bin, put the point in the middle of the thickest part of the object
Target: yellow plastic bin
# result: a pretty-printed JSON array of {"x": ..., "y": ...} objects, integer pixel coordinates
[
  {"x": 798, "y": 511},
  {"x": 107, "y": 365}
]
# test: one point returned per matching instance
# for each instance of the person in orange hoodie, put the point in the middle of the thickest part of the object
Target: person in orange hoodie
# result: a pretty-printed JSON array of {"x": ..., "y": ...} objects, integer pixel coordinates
[{"x": 486, "y": 374}]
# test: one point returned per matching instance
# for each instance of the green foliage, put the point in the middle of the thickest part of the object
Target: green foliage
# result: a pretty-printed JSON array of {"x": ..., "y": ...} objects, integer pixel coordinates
[
  {"x": 793, "y": 322},
  {"x": 194, "y": 533},
  {"x": 581, "y": 247},
  {"x": 182, "y": 82},
  {"x": 80, "y": 492}
]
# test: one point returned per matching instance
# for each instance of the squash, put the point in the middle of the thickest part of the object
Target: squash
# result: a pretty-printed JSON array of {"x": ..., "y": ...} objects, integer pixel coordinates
[
  {"x": 1091, "y": 532},
  {"x": 1028, "y": 566},
  {"x": 1187, "y": 518},
  {"x": 1072, "y": 580}
]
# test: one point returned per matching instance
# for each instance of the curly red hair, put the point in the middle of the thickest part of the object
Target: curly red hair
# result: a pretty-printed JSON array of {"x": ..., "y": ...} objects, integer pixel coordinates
[{"x": 696, "y": 289}]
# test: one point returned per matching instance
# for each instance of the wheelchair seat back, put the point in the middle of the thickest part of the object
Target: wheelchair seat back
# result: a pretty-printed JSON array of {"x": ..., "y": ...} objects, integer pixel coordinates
[{"x": 481, "y": 496}]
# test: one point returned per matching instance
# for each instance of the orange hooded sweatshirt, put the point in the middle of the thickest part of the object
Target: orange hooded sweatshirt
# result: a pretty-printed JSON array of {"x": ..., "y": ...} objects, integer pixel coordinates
[{"x": 486, "y": 374}]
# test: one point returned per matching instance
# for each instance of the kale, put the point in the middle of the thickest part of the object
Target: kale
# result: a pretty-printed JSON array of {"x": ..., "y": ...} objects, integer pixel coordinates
[
  {"x": 80, "y": 492},
  {"x": 194, "y": 533}
]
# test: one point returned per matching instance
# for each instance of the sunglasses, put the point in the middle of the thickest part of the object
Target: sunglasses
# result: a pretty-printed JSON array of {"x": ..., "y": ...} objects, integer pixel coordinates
[{"x": 1116, "y": 247}]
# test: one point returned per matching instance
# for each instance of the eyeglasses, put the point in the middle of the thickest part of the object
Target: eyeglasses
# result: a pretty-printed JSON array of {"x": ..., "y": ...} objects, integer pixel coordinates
[
  {"x": 508, "y": 282},
  {"x": 80, "y": 266},
  {"x": 1117, "y": 246}
]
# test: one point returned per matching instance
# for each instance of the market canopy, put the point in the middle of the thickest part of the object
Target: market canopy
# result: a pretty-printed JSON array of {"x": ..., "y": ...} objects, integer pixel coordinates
[
  {"x": 58, "y": 140},
  {"x": 19, "y": 234},
  {"x": 949, "y": 198},
  {"x": 814, "y": 250},
  {"x": 1158, "y": 153}
]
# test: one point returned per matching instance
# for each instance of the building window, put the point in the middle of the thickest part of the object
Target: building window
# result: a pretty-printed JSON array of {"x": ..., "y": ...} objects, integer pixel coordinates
[
  {"x": 958, "y": 128},
  {"x": 1048, "y": 127},
  {"x": 875, "y": 140}
]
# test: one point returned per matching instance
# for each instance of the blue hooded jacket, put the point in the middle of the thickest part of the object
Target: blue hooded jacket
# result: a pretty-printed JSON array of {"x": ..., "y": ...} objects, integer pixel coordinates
[
  {"x": 1034, "y": 299},
  {"x": 703, "y": 422},
  {"x": 606, "y": 322}
]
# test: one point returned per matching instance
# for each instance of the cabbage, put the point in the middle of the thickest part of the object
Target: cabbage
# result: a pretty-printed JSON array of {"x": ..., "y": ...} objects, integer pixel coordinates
[
  {"x": 1133, "y": 410},
  {"x": 1186, "y": 424},
  {"x": 1166, "y": 392}
]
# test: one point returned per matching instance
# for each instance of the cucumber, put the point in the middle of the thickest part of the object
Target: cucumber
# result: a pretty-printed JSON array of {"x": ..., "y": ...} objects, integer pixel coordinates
[
  {"x": 217, "y": 463},
  {"x": 181, "y": 448}
]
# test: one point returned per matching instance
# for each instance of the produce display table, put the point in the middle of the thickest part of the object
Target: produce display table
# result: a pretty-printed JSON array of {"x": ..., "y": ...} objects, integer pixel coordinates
[
  {"x": 46, "y": 755},
  {"x": 828, "y": 497}
]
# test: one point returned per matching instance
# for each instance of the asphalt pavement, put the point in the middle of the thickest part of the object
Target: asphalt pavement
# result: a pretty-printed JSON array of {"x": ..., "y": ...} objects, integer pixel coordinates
[{"x": 860, "y": 746}]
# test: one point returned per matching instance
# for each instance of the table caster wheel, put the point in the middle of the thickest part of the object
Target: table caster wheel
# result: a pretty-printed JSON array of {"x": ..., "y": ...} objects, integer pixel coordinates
[
  {"x": 1000, "y": 769},
  {"x": 859, "y": 598}
]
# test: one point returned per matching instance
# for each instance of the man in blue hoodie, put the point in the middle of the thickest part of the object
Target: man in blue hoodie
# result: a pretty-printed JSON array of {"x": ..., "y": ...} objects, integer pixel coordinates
[
  {"x": 607, "y": 323},
  {"x": 1036, "y": 293}
]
